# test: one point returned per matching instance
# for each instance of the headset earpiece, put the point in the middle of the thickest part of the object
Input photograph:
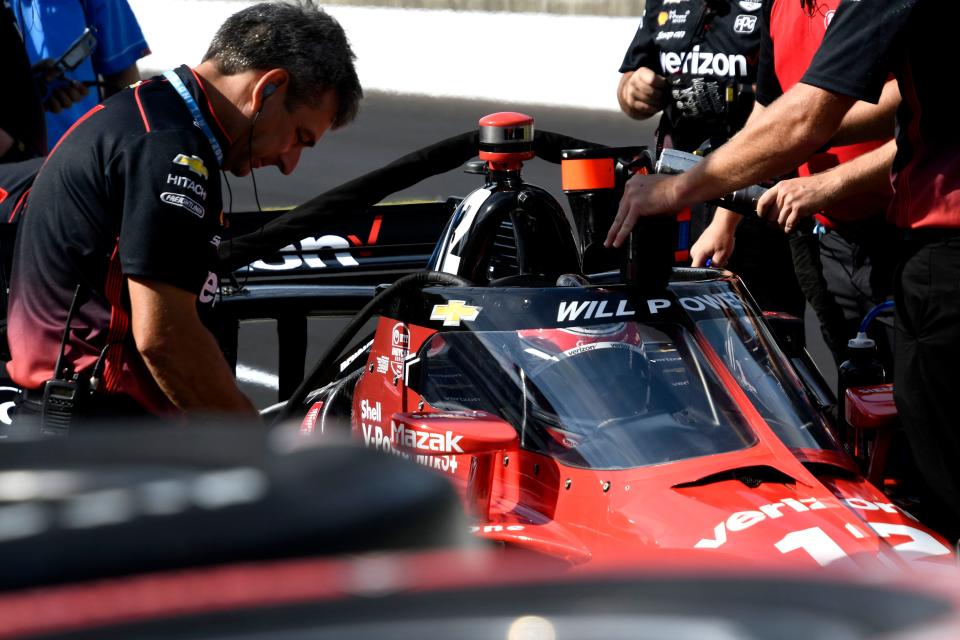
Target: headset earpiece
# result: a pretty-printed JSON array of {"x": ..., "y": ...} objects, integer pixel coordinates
[{"x": 269, "y": 90}]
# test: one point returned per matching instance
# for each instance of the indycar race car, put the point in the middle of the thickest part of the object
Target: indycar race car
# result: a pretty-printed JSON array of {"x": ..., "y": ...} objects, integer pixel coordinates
[{"x": 588, "y": 406}]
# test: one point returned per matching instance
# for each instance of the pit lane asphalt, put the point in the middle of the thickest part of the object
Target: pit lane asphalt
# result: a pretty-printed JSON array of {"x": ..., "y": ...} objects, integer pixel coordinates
[{"x": 388, "y": 127}]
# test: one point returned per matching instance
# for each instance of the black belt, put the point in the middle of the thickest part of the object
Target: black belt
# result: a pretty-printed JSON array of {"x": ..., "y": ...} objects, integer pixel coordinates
[
  {"x": 931, "y": 234},
  {"x": 32, "y": 400}
]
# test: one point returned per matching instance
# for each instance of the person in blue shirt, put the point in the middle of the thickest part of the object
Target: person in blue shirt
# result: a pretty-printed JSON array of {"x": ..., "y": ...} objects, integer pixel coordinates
[{"x": 49, "y": 27}]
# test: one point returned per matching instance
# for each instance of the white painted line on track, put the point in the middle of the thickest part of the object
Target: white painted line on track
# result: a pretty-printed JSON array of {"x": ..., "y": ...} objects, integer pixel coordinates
[
  {"x": 515, "y": 58},
  {"x": 257, "y": 377}
]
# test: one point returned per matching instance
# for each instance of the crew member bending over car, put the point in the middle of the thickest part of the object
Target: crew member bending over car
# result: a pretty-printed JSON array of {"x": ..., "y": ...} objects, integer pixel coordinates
[
  {"x": 117, "y": 246},
  {"x": 696, "y": 61},
  {"x": 868, "y": 39}
]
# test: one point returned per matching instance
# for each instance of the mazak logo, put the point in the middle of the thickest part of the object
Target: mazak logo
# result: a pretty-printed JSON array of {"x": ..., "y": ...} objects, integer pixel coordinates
[
  {"x": 703, "y": 63},
  {"x": 180, "y": 200},
  {"x": 193, "y": 163},
  {"x": 399, "y": 347},
  {"x": 745, "y": 23},
  {"x": 405, "y": 436}
]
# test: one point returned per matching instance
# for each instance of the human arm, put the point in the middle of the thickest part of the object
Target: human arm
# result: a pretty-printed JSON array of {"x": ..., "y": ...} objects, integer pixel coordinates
[
  {"x": 717, "y": 241},
  {"x": 641, "y": 88},
  {"x": 121, "y": 44},
  {"x": 641, "y": 93},
  {"x": 775, "y": 141},
  {"x": 865, "y": 121},
  {"x": 181, "y": 355},
  {"x": 116, "y": 82},
  {"x": 866, "y": 176},
  {"x": 57, "y": 91}
]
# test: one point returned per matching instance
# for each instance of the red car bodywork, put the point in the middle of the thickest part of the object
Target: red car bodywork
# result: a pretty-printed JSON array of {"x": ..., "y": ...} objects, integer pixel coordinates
[{"x": 528, "y": 500}]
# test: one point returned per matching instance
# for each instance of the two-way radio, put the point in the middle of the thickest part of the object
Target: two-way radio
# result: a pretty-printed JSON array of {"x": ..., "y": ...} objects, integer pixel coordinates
[{"x": 63, "y": 394}]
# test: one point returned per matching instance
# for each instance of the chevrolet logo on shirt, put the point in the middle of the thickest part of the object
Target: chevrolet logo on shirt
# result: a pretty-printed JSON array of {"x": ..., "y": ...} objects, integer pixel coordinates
[
  {"x": 453, "y": 312},
  {"x": 193, "y": 163}
]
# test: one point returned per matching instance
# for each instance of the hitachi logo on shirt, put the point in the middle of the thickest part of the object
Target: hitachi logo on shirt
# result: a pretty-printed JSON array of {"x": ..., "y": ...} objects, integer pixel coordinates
[
  {"x": 703, "y": 63},
  {"x": 186, "y": 183}
]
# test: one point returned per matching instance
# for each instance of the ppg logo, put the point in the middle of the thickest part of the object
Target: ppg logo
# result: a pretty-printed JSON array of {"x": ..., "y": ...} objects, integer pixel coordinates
[{"x": 745, "y": 23}]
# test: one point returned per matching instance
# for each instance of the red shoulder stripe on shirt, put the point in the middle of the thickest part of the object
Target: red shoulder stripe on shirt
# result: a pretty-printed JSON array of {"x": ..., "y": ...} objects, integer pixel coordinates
[
  {"x": 76, "y": 124},
  {"x": 19, "y": 205},
  {"x": 143, "y": 115},
  {"x": 210, "y": 107}
]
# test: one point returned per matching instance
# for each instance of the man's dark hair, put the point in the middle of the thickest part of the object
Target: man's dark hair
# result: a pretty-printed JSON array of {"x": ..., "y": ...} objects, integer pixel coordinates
[{"x": 296, "y": 36}]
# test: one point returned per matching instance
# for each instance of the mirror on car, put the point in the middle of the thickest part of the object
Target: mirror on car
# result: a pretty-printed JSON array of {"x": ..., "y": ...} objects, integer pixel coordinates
[{"x": 453, "y": 432}]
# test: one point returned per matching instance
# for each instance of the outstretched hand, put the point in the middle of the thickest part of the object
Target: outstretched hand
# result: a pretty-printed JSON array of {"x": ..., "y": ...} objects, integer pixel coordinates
[
  {"x": 643, "y": 195},
  {"x": 789, "y": 201},
  {"x": 714, "y": 244}
]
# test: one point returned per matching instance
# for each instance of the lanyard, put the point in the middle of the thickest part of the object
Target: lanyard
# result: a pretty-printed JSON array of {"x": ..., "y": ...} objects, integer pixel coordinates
[{"x": 177, "y": 84}]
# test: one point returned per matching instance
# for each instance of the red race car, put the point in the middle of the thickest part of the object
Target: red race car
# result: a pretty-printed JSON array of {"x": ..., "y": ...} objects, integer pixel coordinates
[{"x": 596, "y": 414}]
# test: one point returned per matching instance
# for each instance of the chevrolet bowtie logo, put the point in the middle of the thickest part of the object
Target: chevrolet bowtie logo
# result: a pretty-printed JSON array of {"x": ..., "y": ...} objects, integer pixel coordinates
[
  {"x": 193, "y": 163},
  {"x": 453, "y": 312}
]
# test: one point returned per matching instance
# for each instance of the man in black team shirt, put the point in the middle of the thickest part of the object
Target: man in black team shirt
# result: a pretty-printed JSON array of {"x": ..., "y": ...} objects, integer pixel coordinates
[
  {"x": 126, "y": 213},
  {"x": 866, "y": 40},
  {"x": 696, "y": 60}
]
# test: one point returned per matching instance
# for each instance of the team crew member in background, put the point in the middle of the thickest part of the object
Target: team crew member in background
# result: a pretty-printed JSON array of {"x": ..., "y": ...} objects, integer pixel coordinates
[
  {"x": 697, "y": 61},
  {"x": 126, "y": 214},
  {"x": 846, "y": 268},
  {"x": 866, "y": 40},
  {"x": 49, "y": 28}
]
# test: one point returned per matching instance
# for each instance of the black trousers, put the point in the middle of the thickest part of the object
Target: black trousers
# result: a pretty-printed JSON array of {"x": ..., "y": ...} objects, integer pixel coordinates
[
  {"x": 99, "y": 410},
  {"x": 927, "y": 350},
  {"x": 844, "y": 274},
  {"x": 859, "y": 266}
]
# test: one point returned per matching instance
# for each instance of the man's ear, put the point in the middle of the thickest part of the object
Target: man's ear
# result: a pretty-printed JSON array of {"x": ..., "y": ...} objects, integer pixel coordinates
[{"x": 270, "y": 83}]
